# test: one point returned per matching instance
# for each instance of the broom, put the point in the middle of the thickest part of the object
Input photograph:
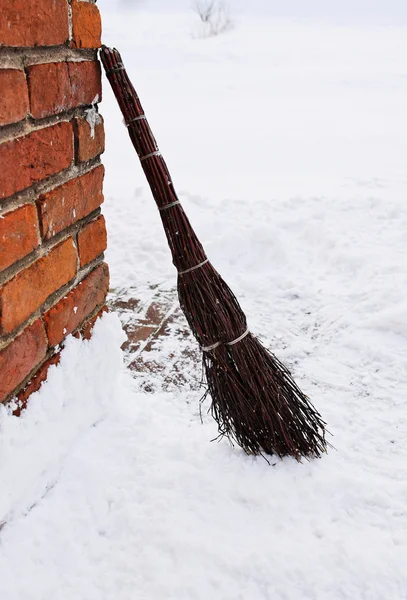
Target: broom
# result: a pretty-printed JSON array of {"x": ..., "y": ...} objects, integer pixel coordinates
[{"x": 255, "y": 401}]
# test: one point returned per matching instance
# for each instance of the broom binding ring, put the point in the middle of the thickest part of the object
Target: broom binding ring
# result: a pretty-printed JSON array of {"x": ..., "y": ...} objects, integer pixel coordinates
[
  {"x": 193, "y": 268},
  {"x": 140, "y": 118},
  {"x": 232, "y": 343},
  {"x": 161, "y": 208},
  {"x": 239, "y": 339},
  {"x": 156, "y": 153},
  {"x": 118, "y": 67}
]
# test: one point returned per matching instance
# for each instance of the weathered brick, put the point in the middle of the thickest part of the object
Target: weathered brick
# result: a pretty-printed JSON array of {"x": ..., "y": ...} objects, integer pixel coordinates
[
  {"x": 13, "y": 96},
  {"x": 33, "y": 157},
  {"x": 49, "y": 89},
  {"x": 87, "y": 328},
  {"x": 19, "y": 234},
  {"x": 33, "y": 23},
  {"x": 86, "y": 81},
  {"x": 86, "y": 25},
  {"x": 57, "y": 87},
  {"x": 21, "y": 356},
  {"x": 70, "y": 202},
  {"x": 27, "y": 291},
  {"x": 137, "y": 334},
  {"x": 89, "y": 143},
  {"x": 35, "y": 383},
  {"x": 92, "y": 240},
  {"x": 69, "y": 312}
]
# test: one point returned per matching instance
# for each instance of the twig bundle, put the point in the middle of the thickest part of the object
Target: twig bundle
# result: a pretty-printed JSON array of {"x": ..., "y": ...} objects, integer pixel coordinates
[{"x": 255, "y": 401}]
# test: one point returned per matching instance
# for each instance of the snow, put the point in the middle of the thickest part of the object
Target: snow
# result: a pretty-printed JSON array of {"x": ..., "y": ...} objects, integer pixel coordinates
[
  {"x": 92, "y": 116},
  {"x": 121, "y": 495},
  {"x": 76, "y": 397},
  {"x": 286, "y": 139}
]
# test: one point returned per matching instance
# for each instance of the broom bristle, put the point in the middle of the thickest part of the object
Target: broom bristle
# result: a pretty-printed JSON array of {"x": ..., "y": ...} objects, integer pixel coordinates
[
  {"x": 262, "y": 408},
  {"x": 255, "y": 401}
]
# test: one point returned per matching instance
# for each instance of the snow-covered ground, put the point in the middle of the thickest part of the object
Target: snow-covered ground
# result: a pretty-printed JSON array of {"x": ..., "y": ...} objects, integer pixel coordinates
[{"x": 287, "y": 141}]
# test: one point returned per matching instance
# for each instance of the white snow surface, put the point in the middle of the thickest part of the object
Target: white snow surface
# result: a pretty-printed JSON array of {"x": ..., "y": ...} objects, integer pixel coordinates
[
  {"x": 92, "y": 116},
  {"x": 286, "y": 139}
]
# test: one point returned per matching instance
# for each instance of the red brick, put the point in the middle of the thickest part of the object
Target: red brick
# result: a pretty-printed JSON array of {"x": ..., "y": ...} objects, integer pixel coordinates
[
  {"x": 13, "y": 97},
  {"x": 57, "y": 87},
  {"x": 86, "y": 81},
  {"x": 69, "y": 312},
  {"x": 87, "y": 328},
  {"x": 88, "y": 147},
  {"x": 136, "y": 334},
  {"x": 19, "y": 234},
  {"x": 92, "y": 240},
  {"x": 20, "y": 357},
  {"x": 70, "y": 202},
  {"x": 50, "y": 89},
  {"x": 35, "y": 383},
  {"x": 23, "y": 294},
  {"x": 33, "y": 157},
  {"x": 86, "y": 25},
  {"x": 33, "y": 22}
]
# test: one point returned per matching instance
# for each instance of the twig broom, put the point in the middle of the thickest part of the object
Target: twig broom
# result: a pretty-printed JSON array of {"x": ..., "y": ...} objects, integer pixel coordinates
[{"x": 255, "y": 401}]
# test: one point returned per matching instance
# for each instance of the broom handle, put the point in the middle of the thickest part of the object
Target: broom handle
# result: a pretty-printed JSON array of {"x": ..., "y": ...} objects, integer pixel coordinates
[
  {"x": 187, "y": 251},
  {"x": 144, "y": 142}
]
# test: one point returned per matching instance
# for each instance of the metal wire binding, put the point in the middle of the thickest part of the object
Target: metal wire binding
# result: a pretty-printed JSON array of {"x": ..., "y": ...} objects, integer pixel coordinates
[
  {"x": 156, "y": 153},
  {"x": 193, "y": 268},
  {"x": 209, "y": 348},
  {"x": 135, "y": 119},
  {"x": 118, "y": 67},
  {"x": 239, "y": 339},
  {"x": 161, "y": 208},
  {"x": 232, "y": 343}
]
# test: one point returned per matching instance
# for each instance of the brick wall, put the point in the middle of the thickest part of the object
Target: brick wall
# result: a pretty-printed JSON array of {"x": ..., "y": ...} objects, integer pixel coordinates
[{"x": 53, "y": 280}]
